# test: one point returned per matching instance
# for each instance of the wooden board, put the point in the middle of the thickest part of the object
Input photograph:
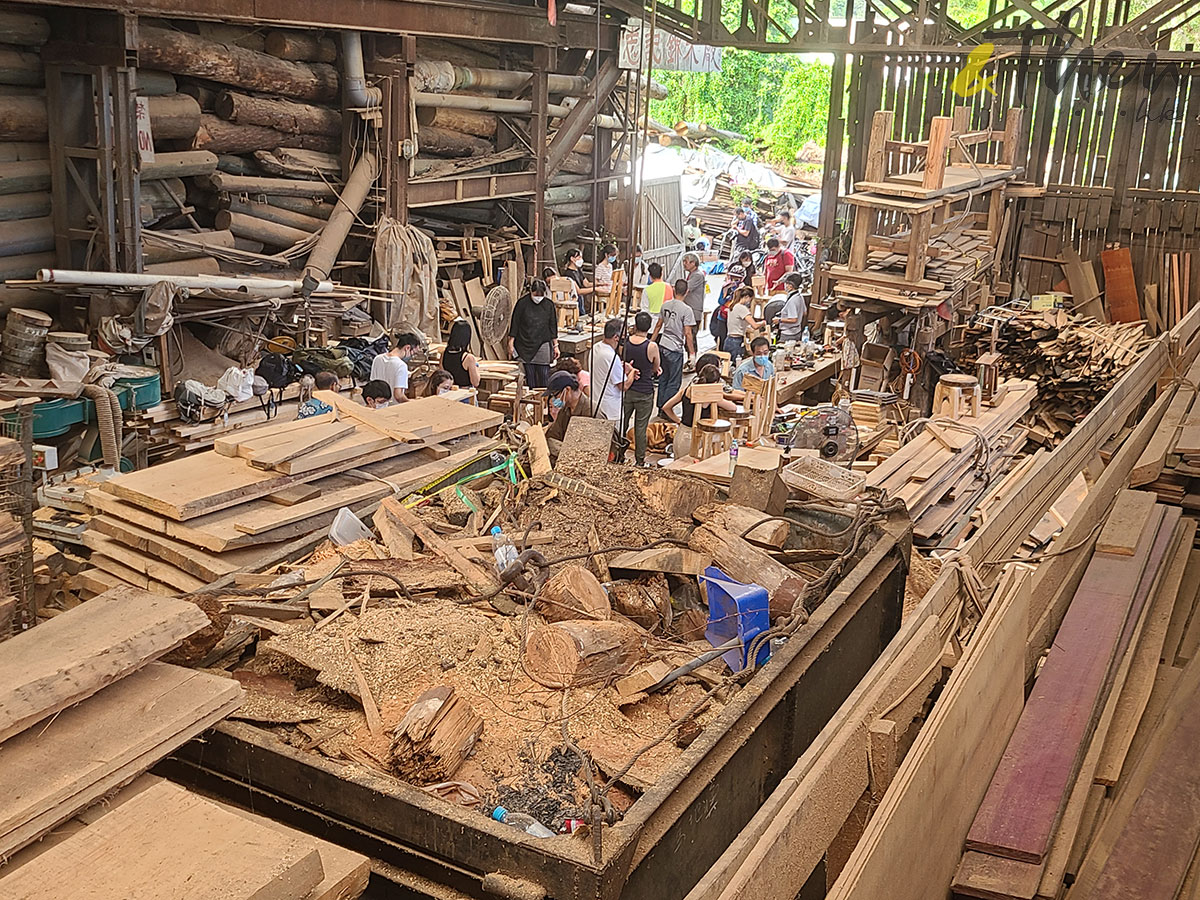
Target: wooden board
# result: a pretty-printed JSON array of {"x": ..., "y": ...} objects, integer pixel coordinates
[
  {"x": 946, "y": 771},
  {"x": 171, "y": 844},
  {"x": 1126, "y": 522},
  {"x": 90, "y": 748},
  {"x": 1026, "y": 797},
  {"x": 1120, "y": 288},
  {"x": 1135, "y": 693},
  {"x": 46, "y": 669},
  {"x": 318, "y": 436},
  {"x": 196, "y": 562},
  {"x": 142, "y": 563},
  {"x": 205, "y": 482},
  {"x": 246, "y": 440},
  {"x": 1185, "y": 607}
]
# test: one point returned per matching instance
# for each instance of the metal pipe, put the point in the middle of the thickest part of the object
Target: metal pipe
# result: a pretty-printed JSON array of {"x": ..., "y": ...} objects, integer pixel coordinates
[
  {"x": 354, "y": 74},
  {"x": 248, "y": 284},
  {"x": 503, "y": 105},
  {"x": 443, "y": 76},
  {"x": 358, "y": 185}
]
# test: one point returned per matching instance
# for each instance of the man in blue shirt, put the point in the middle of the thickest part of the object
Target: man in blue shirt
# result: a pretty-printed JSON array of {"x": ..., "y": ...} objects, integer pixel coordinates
[{"x": 758, "y": 363}]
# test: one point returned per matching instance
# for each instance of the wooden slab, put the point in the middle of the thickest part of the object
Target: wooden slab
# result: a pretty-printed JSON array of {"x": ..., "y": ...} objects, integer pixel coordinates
[
  {"x": 75, "y": 654},
  {"x": 671, "y": 560},
  {"x": 295, "y": 494},
  {"x": 244, "y": 441},
  {"x": 1120, "y": 288},
  {"x": 301, "y": 442},
  {"x": 142, "y": 563},
  {"x": 1185, "y": 607},
  {"x": 1023, "y": 804},
  {"x": 205, "y": 482},
  {"x": 169, "y": 844},
  {"x": 1126, "y": 522},
  {"x": 89, "y": 749},
  {"x": 202, "y": 564}
]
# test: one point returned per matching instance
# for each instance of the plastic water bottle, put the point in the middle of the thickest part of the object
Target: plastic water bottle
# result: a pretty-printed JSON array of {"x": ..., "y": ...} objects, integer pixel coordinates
[
  {"x": 528, "y": 824},
  {"x": 503, "y": 549},
  {"x": 733, "y": 452}
]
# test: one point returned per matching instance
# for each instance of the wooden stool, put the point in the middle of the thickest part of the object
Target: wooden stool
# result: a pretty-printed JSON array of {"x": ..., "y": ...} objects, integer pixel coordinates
[
  {"x": 530, "y": 407},
  {"x": 741, "y": 424},
  {"x": 956, "y": 396},
  {"x": 710, "y": 433},
  {"x": 568, "y": 313}
]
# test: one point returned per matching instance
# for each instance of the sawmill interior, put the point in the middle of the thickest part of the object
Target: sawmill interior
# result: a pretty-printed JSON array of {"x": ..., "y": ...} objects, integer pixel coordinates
[{"x": 453, "y": 451}]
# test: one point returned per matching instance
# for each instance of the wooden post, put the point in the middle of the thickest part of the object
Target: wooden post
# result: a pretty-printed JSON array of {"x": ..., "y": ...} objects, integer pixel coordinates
[
  {"x": 962, "y": 123},
  {"x": 836, "y": 127},
  {"x": 543, "y": 247},
  {"x": 864, "y": 220},
  {"x": 881, "y": 133},
  {"x": 1014, "y": 121},
  {"x": 935, "y": 158},
  {"x": 918, "y": 246}
]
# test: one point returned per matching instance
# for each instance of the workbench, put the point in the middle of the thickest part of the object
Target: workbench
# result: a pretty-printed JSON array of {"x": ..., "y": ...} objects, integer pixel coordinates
[
  {"x": 791, "y": 384},
  {"x": 579, "y": 344}
]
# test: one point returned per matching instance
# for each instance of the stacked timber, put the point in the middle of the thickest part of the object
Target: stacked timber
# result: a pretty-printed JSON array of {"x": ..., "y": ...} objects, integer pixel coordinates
[
  {"x": 1074, "y": 360},
  {"x": 183, "y": 524},
  {"x": 945, "y": 471},
  {"x": 88, "y": 707},
  {"x": 1118, "y": 691}
]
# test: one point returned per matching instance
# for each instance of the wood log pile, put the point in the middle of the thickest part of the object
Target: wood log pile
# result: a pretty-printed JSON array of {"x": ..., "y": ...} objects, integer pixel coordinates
[{"x": 1074, "y": 360}]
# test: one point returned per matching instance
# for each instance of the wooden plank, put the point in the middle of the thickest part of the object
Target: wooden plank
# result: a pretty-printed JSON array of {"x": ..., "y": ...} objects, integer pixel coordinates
[
  {"x": 153, "y": 569},
  {"x": 671, "y": 560},
  {"x": 46, "y": 669},
  {"x": 88, "y": 749},
  {"x": 374, "y": 419},
  {"x": 995, "y": 878},
  {"x": 304, "y": 442},
  {"x": 1143, "y": 663},
  {"x": 1026, "y": 797},
  {"x": 1126, "y": 522},
  {"x": 477, "y": 578},
  {"x": 229, "y": 444},
  {"x": 1120, "y": 288},
  {"x": 1152, "y": 853},
  {"x": 1185, "y": 608},
  {"x": 295, "y": 494},
  {"x": 946, "y": 772},
  {"x": 199, "y": 563},
  {"x": 130, "y": 578},
  {"x": 169, "y": 843},
  {"x": 539, "y": 451}
]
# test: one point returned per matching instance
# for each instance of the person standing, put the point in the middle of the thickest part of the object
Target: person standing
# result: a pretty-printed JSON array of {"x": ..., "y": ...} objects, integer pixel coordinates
[
  {"x": 780, "y": 261},
  {"x": 695, "y": 285},
  {"x": 392, "y": 367},
  {"x": 693, "y": 237},
  {"x": 795, "y": 309},
  {"x": 739, "y": 320},
  {"x": 533, "y": 334},
  {"x": 638, "y": 402},
  {"x": 457, "y": 358},
  {"x": 657, "y": 291},
  {"x": 609, "y": 375},
  {"x": 745, "y": 232},
  {"x": 639, "y": 271},
  {"x": 785, "y": 230},
  {"x": 675, "y": 334}
]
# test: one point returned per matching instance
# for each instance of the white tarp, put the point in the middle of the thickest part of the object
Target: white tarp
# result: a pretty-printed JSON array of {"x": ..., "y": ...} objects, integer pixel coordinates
[
  {"x": 698, "y": 170},
  {"x": 671, "y": 53}
]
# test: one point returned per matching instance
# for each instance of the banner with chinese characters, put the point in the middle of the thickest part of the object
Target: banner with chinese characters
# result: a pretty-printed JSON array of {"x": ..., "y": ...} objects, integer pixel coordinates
[{"x": 671, "y": 53}]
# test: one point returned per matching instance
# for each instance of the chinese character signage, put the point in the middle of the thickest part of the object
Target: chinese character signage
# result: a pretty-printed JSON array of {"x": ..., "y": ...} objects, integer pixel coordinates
[
  {"x": 671, "y": 53},
  {"x": 145, "y": 139}
]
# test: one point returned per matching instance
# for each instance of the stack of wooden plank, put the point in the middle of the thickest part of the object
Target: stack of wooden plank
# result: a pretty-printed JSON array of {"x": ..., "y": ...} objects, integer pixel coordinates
[
  {"x": 947, "y": 459},
  {"x": 1170, "y": 464},
  {"x": 185, "y": 523},
  {"x": 1089, "y": 806},
  {"x": 1074, "y": 360}
]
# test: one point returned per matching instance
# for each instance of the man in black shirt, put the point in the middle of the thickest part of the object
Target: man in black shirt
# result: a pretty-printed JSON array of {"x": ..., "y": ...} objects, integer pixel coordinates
[
  {"x": 533, "y": 333},
  {"x": 746, "y": 237}
]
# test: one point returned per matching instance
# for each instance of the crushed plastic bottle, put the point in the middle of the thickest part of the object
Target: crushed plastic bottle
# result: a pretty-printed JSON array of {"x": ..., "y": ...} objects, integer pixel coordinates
[
  {"x": 503, "y": 549},
  {"x": 526, "y": 823},
  {"x": 733, "y": 455}
]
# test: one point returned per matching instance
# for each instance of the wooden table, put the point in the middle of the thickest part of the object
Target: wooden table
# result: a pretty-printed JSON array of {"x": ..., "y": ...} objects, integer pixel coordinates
[
  {"x": 578, "y": 345},
  {"x": 790, "y": 385}
]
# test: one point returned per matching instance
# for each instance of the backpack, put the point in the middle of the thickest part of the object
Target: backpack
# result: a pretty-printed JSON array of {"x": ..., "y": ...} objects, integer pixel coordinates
[
  {"x": 196, "y": 400},
  {"x": 276, "y": 370},
  {"x": 324, "y": 359},
  {"x": 362, "y": 353}
]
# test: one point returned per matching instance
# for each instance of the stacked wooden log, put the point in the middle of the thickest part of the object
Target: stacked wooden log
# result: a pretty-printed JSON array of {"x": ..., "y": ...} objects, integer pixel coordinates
[
  {"x": 1074, "y": 360},
  {"x": 26, "y": 229}
]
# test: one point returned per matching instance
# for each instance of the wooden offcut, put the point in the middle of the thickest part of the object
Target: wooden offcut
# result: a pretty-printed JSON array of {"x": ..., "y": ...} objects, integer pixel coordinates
[
  {"x": 572, "y": 593},
  {"x": 1120, "y": 287},
  {"x": 435, "y": 737},
  {"x": 1126, "y": 522},
  {"x": 746, "y": 563},
  {"x": 75, "y": 654}
]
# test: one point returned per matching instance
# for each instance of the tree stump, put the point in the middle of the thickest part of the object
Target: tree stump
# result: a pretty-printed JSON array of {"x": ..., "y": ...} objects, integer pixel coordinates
[
  {"x": 579, "y": 652},
  {"x": 573, "y": 593}
]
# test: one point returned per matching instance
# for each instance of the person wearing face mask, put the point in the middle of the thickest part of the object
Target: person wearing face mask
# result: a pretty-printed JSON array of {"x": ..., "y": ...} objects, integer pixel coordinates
[
  {"x": 440, "y": 382},
  {"x": 533, "y": 334},
  {"x": 392, "y": 367},
  {"x": 638, "y": 400},
  {"x": 640, "y": 272},
  {"x": 377, "y": 395},
  {"x": 564, "y": 393},
  {"x": 573, "y": 269},
  {"x": 779, "y": 262},
  {"x": 604, "y": 271},
  {"x": 758, "y": 364}
]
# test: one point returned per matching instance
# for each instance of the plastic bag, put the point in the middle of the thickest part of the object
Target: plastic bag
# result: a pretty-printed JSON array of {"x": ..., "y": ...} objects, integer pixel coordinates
[
  {"x": 238, "y": 384},
  {"x": 67, "y": 365}
]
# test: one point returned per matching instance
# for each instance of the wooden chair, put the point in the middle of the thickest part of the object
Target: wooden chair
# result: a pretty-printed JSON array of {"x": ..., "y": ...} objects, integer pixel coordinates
[
  {"x": 614, "y": 296},
  {"x": 760, "y": 404},
  {"x": 562, "y": 292},
  {"x": 710, "y": 433},
  {"x": 726, "y": 361}
]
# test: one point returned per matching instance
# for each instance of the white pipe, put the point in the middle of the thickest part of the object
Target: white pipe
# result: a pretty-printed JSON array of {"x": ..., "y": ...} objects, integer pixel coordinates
[
  {"x": 354, "y": 73},
  {"x": 505, "y": 105},
  {"x": 249, "y": 284}
]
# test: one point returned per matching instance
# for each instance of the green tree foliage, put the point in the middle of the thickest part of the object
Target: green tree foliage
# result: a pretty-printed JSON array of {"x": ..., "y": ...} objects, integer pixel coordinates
[{"x": 778, "y": 100}]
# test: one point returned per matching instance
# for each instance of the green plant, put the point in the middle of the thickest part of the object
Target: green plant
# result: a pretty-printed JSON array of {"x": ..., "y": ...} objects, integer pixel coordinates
[{"x": 744, "y": 192}]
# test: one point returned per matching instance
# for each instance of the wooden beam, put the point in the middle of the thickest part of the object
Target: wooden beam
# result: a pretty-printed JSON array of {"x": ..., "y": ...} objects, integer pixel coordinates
[{"x": 581, "y": 118}]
